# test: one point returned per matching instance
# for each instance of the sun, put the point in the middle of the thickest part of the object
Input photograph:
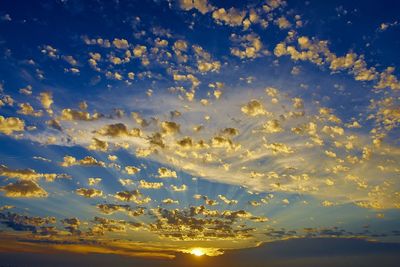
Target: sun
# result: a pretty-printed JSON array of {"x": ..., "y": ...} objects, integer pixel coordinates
[{"x": 197, "y": 252}]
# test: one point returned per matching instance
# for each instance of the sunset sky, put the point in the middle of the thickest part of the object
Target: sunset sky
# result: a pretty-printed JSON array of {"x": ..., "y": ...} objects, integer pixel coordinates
[{"x": 199, "y": 133}]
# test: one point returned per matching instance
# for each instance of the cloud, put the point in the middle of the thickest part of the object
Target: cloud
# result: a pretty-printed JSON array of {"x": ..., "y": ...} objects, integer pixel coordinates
[
  {"x": 80, "y": 249},
  {"x": 283, "y": 23},
  {"x": 251, "y": 44},
  {"x": 232, "y": 115},
  {"x": 150, "y": 185},
  {"x": 291, "y": 137},
  {"x": 204, "y": 60},
  {"x": 27, "y": 109},
  {"x": 166, "y": 173},
  {"x": 201, "y": 5},
  {"x": 131, "y": 170},
  {"x": 227, "y": 201},
  {"x": 112, "y": 208},
  {"x": 11, "y": 124},
  {"x": 231, "y": 17},
  {"x": 119, "y": 130},
  {"x": 24, "y": 188},
  {"x": 133, "y": 196},
  {"x": 89, "y": 192},
  {"x": 388, "y": 80},
  {"x": 120, "y": 43},
  {"x": 72, "y": 225},
  {"x": 46, "y": 98},
  {"x": 78, "y": 115},
  {"x": 199, "y": 223},
  {"x": 319, "y": 53},
  {"x": 254, "y": 108},
  {"x": 28, "y": 174},
  {"x": 94, "y": 181},
  {"x": 98, "y": 144},
  {"x": 126, "y": 182},
  {"x": 69, "y": 161},
  {"x": 32, "y": 224},
  {"x": 169, "y": 201},
  {"x": 179, "y": 188},
  {"x": 170, "y": 127}
]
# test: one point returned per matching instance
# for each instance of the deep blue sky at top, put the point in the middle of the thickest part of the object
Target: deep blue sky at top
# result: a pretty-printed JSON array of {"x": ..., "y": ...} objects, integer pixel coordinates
[{"x": 346, "y": 24}]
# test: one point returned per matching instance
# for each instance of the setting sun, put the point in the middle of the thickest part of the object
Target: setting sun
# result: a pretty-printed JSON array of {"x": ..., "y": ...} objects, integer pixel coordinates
[{"x": 197, "y": 252}]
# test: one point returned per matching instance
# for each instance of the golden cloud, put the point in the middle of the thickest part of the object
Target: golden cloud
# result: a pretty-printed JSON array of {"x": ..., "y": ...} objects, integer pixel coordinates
[{"x": 24, "y": 188}]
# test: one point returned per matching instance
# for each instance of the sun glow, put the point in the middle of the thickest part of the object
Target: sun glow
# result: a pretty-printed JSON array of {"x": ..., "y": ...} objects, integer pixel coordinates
[{"x": 197, "y": 252}]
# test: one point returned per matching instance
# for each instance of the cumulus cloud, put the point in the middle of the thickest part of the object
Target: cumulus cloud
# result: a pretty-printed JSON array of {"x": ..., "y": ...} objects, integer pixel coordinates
[
  {"x": 132, "y": 196},
  {"x": 89, "y": 192},
  {"x": 121, "y": 43},
  {"x": 170, "y": 127},
  {"x": 231, "y": 17},
  {"x": 166, "y": 173},
  {"x": 24, "y": 188},
  {"x": 150, "y": 185},
  {"x": 227, "y": 201},
  {"x": 281, "y": 135},
  {"x": 46, "y": 98},
  {"x": 112, "y": 208},
  {"x": 98, "y": 144},
  {"x": 94, "y": 181},
  {"x": 131, "y": 170},
  {"x": 69, "y": 161},
  {"x": 78, "y": 115},
  {"x": 201, "y": 5},
  {"x": 169, "y": 201},
  {"x": 11, "y": 124},
  {"x": 28, "y": 174},
  {"x": 27, "y": 109},
  {"x": 250, "y": 46},
  {"x": 254, "y": 108},
  {"x": 179, "y": 188},
  {"x": 119, "y": 130},
  {"x": 256, "y": 133}
]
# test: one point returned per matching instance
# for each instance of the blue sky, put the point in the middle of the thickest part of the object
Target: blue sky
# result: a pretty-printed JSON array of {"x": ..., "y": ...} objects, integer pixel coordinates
[{"x": 151, "y": 129}]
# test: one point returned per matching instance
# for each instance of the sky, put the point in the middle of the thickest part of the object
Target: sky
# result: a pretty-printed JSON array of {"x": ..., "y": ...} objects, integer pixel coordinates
[{"x": 199, "y": 132}]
